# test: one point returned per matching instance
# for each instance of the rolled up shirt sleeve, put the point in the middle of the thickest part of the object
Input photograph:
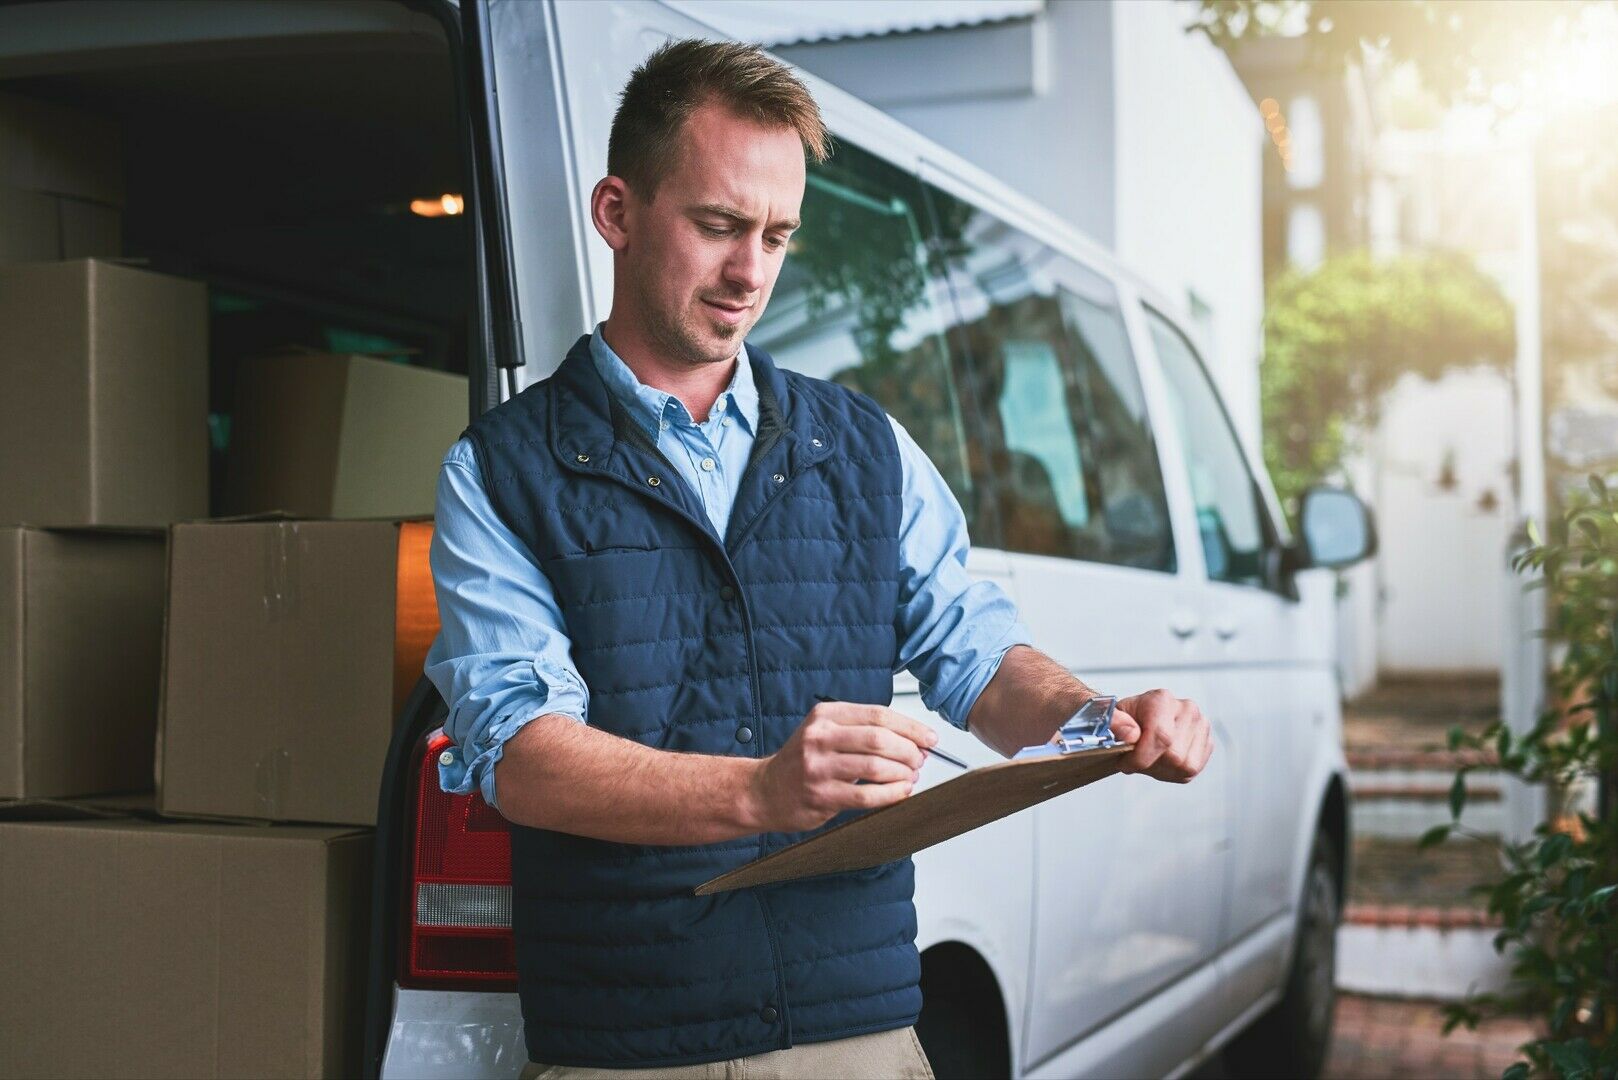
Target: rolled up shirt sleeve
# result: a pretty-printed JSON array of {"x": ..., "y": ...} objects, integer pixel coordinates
[
  {"x": 501, "y": 657},
  {"x": 953, "y": 630}
]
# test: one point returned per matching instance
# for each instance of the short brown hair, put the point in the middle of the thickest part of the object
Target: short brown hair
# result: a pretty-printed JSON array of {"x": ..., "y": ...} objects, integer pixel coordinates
[{"x": 678, "y": 78}]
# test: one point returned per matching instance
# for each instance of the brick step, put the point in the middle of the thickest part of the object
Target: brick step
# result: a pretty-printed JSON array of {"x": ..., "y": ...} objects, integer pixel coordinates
[
  {"x": 1377, "y": 758},
  {"x": 1393, "y": 877},
  {"x": 1441, "y": 917},
  {"x": 1475, "y": 792}
]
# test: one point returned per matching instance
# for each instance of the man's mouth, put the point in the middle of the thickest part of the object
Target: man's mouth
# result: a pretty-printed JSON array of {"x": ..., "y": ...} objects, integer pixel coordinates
[{"x": 729, "y": 313}]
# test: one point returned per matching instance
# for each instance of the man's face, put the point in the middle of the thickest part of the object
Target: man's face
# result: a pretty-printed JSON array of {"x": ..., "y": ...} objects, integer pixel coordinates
[{"x": 702, "y": 257}]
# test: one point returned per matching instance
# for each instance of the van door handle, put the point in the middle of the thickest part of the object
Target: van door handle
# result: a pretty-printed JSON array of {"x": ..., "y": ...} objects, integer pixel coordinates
[
  {"x": 1225, "y": 630},
  {"x": 1183, "y": 624}
]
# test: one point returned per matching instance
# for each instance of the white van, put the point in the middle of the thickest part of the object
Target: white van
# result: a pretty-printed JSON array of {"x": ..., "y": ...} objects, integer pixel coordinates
[{"x": 1133, "y": 928}]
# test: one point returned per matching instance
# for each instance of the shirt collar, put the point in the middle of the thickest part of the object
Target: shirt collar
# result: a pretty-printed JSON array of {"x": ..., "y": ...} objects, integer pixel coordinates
[{"x": 649, "y": 405}]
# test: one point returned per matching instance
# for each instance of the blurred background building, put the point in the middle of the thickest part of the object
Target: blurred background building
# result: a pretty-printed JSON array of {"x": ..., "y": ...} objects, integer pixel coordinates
[{"x": 1365, "y": 161}]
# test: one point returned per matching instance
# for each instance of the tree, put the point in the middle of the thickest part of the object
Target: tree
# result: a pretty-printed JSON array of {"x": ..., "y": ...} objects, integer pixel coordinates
[
  {"x": 1337, "y": 338},
  {"x": 1466, "y": 50}
]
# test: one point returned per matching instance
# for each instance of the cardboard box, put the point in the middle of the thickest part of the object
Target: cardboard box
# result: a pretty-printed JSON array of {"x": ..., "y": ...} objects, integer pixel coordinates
[
  {"x": 60, "y": 150},
  {"x": 103, "y": 395},
  {"x": 332, "y": 436},
  {"x": 139, "y": 948},
  {"x": 81, "y": 630},
  {"x": 289, "y": 650}
]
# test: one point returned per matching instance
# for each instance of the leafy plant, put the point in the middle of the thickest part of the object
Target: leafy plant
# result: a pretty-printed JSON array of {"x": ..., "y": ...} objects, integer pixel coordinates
[
  {"x": 1337, "y": 338},
  {"x": 1558, "y": 898}
]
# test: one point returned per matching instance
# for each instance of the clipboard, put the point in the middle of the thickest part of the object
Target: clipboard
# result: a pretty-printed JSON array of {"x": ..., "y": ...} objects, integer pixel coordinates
[{"x": 1082, "y": 752}]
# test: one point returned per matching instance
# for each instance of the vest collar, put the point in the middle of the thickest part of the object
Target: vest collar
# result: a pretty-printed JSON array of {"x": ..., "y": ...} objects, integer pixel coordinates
[{"x": 591, "y": 432}]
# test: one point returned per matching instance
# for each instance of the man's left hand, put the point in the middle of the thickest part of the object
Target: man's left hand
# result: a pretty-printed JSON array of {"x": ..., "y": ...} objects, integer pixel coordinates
[{"x": 1171, "y": 736}]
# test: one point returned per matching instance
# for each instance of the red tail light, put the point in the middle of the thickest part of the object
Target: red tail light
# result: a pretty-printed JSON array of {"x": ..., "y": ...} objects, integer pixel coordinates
[{"x": 458, "y": 926}]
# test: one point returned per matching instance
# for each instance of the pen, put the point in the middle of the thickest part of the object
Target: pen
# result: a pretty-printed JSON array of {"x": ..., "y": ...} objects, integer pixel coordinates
[{"x": 951, "y": 758}]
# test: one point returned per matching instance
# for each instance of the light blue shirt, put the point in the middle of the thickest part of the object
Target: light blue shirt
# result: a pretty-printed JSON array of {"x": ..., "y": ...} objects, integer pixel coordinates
[{"x": 502, "y": 655}]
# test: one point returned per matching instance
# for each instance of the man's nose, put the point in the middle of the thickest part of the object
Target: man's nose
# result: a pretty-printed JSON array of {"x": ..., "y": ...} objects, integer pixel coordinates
[{"x": 745, "y": 267}]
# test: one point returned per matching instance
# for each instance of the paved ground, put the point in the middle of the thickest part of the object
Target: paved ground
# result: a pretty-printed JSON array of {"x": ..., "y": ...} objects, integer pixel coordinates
[
  {"x": 1376, "y": 1038},
  {"x": 1385, "y": 1039}
]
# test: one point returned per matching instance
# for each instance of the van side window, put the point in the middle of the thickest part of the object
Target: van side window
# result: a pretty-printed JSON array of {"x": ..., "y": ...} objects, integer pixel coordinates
[
  {"x": 1230, "y": 518},
  {"x": 1067, "y": 455},
  {"x": 853, "y": 304}
]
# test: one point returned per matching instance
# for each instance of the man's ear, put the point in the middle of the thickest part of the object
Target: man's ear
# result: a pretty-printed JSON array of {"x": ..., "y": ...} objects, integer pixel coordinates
[{"x": 610, "y": 211}]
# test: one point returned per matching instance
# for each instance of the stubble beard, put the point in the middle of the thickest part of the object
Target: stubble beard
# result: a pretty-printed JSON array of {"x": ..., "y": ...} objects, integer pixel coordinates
[{"x": 681, "y": 336}]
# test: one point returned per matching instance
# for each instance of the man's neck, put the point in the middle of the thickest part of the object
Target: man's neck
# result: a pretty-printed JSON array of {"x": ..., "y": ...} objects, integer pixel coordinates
[{"x": 697, "y": 386}]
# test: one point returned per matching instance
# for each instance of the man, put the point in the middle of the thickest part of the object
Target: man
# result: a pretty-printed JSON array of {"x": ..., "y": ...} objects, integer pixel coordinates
[{"x": 719, "y": 565}]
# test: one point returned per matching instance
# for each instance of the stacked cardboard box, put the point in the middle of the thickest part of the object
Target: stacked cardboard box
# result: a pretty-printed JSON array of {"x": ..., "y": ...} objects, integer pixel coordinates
[
  {"x": 252, "y": 668},
  {"x": 137, "y": 947},
  {"x": 81, "y": 614},
  {"x": 333, "y": 436},
  {"x": 104, "y": 407},
  {"x": 290, "y": 648}
]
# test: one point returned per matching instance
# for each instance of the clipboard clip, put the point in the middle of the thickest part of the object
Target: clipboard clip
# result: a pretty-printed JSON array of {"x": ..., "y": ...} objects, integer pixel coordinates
[{"x": 1088, "y": 729}]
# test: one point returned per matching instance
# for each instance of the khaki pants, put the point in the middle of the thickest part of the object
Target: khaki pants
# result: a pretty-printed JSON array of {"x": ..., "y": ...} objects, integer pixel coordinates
[{"x": 883, "y": 1055}]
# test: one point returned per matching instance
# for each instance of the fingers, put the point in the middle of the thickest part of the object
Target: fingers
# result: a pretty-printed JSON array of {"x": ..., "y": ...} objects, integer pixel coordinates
[
  {"x": 871, "y": 796},
  {"x": 850, "y": 714},
  {"x": 875, "y": 741},
  {"x": 1174, "y": 741},
  {"x": 870, "y": 768},
  {"x": 1125, "y": 728},
  {"x": 1179, "y": 764}
]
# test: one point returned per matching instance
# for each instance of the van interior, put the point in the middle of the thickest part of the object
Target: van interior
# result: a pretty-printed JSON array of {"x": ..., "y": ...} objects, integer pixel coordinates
[{"x": 310, "y": 173}]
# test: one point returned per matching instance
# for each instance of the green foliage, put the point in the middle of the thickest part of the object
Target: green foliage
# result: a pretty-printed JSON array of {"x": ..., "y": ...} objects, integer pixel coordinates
[
  {"x": 1338, "y": 337},
  {"x": 1558, "y": 894}
]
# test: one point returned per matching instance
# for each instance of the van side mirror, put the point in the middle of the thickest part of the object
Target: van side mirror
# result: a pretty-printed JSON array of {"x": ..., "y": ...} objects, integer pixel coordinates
[{"x": 1337, "y": 529}]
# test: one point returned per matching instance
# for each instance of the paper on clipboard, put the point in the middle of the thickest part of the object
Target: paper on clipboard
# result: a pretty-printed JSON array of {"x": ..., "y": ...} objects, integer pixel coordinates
[{"x": 1082, "y": 752}]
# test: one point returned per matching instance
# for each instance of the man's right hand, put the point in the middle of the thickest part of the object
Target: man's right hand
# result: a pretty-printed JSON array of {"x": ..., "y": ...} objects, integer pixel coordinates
[{"x": 813, "y": 777}]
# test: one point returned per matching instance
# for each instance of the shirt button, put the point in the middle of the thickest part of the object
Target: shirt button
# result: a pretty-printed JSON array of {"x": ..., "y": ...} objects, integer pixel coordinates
[
  {"x": 727, "y": 593},
  {"x": 707, "y": 464},
  {"x": 768, "y": 1014},
  {"x": 725, "y": 422},
  {"x": 448, "y": 756},
  {"x": 744, "y": 734}
]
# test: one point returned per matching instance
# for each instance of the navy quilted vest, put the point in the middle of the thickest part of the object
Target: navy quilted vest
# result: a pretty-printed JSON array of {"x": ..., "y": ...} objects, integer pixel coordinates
[{"x": 692, "y": 643}]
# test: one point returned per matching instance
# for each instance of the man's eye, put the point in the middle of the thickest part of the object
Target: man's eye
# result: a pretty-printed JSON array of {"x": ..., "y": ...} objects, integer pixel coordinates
[
  {"x": 776, "y": 243},
  {"x": 713, "y": 230}
]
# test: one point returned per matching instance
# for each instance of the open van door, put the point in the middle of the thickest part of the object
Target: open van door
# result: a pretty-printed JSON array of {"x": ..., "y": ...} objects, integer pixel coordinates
[
  {"x": 531, "y": 214},
  {"x": 496, "y": 358},
  {"x": 500, "y": 324}
]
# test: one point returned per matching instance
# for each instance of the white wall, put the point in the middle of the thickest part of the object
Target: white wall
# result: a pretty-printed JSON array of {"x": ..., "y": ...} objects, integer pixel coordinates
[
  {"x": 1190, "y": 186},
  {"x": 1443, "y": 555},
  {"x": 1054, "y": 143}
]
